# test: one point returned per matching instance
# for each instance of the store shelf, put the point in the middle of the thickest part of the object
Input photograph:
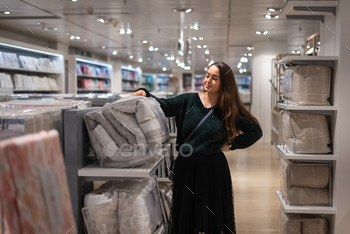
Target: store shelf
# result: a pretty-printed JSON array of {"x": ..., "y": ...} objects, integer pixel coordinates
[
  {"x": 93, "y": 77},
  {"x": 28, "y": 71},
  {"x": 151, "y": 83},
  {"x": 36, "y": 90},
  {"x": 307, "y": 108},
  {"x": 130, "y": 80},
  {"x": 307, "y": 9},
  {"x": 310, "y": 60},
  {"x": 287, "y": 154},
  {"x": 94, "y": 172},
  {"x": 165, "y": 180},
  {"x": 305, "y": 209},
  {"x": 93, "y": 90}
]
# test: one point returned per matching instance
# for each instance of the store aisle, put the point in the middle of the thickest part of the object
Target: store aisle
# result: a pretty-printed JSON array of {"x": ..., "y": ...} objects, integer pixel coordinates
[{"x": 255, "y": 178}]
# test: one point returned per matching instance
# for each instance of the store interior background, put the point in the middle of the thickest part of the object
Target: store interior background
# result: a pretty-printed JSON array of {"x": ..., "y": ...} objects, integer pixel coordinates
[{"x": 228, "y": 27}]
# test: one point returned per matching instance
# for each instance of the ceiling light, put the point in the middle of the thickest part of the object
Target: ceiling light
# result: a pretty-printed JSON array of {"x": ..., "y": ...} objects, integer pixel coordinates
[
  {"x": 205, "y": 69},
  {"x": 298, "y": 51},
  {"x": 156, "y": 49},
  {"x": 241, "y": 70},
  {"x": 188, "y": 10},
  {"x": 40, "y": 23},
  {"x": 175, "y": 10},
  {"x": 177, "y": 61},
  {"x": 131, "y": 56},
  {"x": 204, "y": 46},
  {"x": 272, "y": 9},
  {"x": 244, "y": 70},
  {"x": 151, "y": 48},
  {"x": 250, "y": 54},
  {"x": 165, "y": 55},
  {"x": 6, "y": 12},
  {"x": 190, "y": 52},
  {"x": 258, "y": 32},
  {"x": 140, "y": 60},
  {"x": 265, "y": 32},
  {"x": 115, "y": 52},
  {"x": 239, "y": 65},
  {"x": 277, "y": 16},
  {"x": 200, "y": 38},
  {"x": 172, "y": 58},
  {"x": 122, "y": 31},
  {"x": 293, "y": 52},
  {"x": 50, "y": 29},
  {"x": 207, "y": 51},
  {"x": 308, "y": 46},
  {"x": 249, "y": 48},
  {"x": 102, "y": 21},
  {"x": 194, "y": 38},
  {"x": 199, "y": 46},
  {"x": 164, "y": 68},
  {"x": 168, "y": 58},
  {"x": 211, "y": 62},
  {"x": 268, "y": 16},
  {"x": 85, "y": 40},
  {"x": 207, "y": 60},
  {"x": 74, "y": 0},
  {"x": 128, "y": 30},
  {"x": 103, "y": 47},
  {"x": 77, "y": 37},
  {"x": 319, "y": 43},
  {"x": 144, "y": 41},
  {"x": 72, "y": 37},
  {"x": 195, "y": 27}
]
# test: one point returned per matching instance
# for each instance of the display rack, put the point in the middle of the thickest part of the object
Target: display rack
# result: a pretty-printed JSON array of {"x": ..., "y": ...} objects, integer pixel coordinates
[
  {"x": 131, "y": 79},
  {"x": 162, "y": 82},
  {"x": 82, "y": 168},
  {"x": 308, "y": 10},
  {"x": 326, "y": 110},
  {"x": 304, "y": 209},
  {"x": 148, "y": 81},
  {"x": 33, "y": 67},
  {"x": 198, "y": 82}
]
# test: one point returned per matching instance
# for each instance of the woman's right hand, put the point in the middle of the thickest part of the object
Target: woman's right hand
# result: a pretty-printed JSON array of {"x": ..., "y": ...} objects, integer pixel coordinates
[{"x": 139, "y": 93}]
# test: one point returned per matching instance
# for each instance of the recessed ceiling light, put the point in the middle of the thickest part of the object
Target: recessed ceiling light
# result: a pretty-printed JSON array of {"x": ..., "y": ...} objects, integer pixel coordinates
[
  {"x": 265, "y": 32},
  {"x": 188, "y": 10},
  {"x": 195, "y": 27},
  {"x": 164, "y": 68},
  {"x": 277, "y": 16},
  {"x": 165, "y": 55},
  {"x": 204, "y": 46},
  {"x": 72, "y": 37},
  {"x": 207, "y": 51},
  {"x": 258, "y": 32},
  {"x": 199, "y": 46},
  {"x": 74, "y": 0},
  {"x": 156, "y": 49},
  {"x": 268, "y": 16},
  {"x": 144, "y": 41},
  {"x": 7, "y": 12},
  {"x": 131, "y": 56},
  {"x": 128, "y": 31},
  {"x": 50, "y": 29},
  {"x": 177, "y": 61},
  {"x": 272, "y": 9},
  {"x": 172, "y": 58},
  {"x": 194, "y": 38},
  {"x": 190, "y": 52},
  {"x": 250, "y": 54},
  {"x": 140, "y": 60},
  {"x": 168, "y": 58},
  {"x": 122, "y": 31},
  {"x": 115, "y": 52},
  {"x": 200, "y": 38},
  {"x": 207, "y": 60},
  {"x": 205, "y": 69},
  {"x": 103, "y": 47},
  {"x": 78, "y": 38},
  {"x": 151, "y": 48}
]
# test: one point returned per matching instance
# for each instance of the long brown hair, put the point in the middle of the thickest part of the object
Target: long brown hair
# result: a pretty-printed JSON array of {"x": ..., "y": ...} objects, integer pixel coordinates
[{"x": 229, "y": 101}]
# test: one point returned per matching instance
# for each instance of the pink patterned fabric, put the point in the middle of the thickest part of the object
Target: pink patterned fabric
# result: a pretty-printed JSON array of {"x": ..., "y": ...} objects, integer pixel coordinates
[{"x": 28, "y": 157}]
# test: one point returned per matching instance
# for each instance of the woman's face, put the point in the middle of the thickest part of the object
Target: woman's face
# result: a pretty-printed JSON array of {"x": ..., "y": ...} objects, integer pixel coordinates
[{"x": 212, "y": 80}]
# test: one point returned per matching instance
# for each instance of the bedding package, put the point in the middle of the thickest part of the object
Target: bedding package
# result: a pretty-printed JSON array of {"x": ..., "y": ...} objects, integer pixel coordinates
[
  {"x": 34, "y": 195},
  {"x": 124, "y": 207},
  {"x": 306, "y": 184},
  {"x": 307, "y": 85},
  {"x": 128, "y": 132},
  {"x": 306, "y": 133},
  {"x": 302, "y": 223}
]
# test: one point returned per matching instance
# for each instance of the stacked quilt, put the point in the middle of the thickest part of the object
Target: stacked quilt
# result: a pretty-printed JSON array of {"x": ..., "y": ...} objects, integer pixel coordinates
[
  {"x": 307, "y": 85},
  {"x": 305, "y": 184},
  {"x": 302, "y": 223},
  {"x": 128, "y": 132},
  {"x": 34, "y": 194},
  {"x": 125, "y": 207},
  {"x": 306, "y": 133}
]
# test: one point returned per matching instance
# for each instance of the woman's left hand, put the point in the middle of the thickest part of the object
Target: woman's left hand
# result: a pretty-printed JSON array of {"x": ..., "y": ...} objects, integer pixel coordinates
[{"x": 225, "y": 147}]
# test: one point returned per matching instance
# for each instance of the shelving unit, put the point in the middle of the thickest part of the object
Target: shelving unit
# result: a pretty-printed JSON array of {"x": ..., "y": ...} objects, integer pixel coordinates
[
  {"x": 308, "y": 10},
  {"x": 162, "y": 82},
  {"x": 287, "y": 154},
  {"x": 306, "y": 108},
  {"x": 198, "y": 82},
  {"x": 310, "y": 60},
  {"x": 148, "y": 81},
  {"x": 131, "y": 79},
  {"x": 304, "y": 209},
  {"x": 31, "y": 61},
  {"x": 244, "y": 84}
]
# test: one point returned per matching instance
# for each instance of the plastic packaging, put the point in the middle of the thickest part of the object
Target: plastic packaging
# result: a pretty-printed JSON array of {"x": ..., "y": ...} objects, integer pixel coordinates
[
  {"x": 306, "y": 184},
  {"x": 128, "y": 132},
  {"x": 306, "y": 133},
  {"x": 302, "y": 223},
  {"x": 307, "y": 85},
  {"x": 129, "y": 206}
]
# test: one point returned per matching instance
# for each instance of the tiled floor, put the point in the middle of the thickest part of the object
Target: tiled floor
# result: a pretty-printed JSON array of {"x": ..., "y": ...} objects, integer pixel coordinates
[{"x": 255, "y": 178}]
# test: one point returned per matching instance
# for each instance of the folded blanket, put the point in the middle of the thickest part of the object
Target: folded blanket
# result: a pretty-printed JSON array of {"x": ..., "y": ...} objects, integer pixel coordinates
[
  {"x": 124, "y": 132},
  {"x": 131, "y": 206},
  {"x": 305, "y": 183},
  {"x": 306, "y": 133},
  {"x": 302, "y": 223},
  {"x": 307, "y": 85}
]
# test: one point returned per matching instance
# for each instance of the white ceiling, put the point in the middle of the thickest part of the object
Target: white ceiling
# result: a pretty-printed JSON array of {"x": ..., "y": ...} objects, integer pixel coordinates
[{"x": 228, "y": 26}]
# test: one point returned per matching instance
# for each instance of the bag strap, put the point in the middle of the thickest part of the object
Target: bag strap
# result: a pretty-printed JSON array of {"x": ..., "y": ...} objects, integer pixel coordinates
[{"x": 200, "y": 123}]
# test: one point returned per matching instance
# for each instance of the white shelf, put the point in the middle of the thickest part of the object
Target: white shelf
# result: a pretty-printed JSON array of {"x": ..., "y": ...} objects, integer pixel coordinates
[
  {"x": 286, "y": 9},
  {"x": 165, "y": 180},
  {"x": 311, "y": 108},
  {"x": 305, "y": 209},
  {"x": 36, "y": 90},
  {"x": 26, "y": 70},
  {"x": 287, "y": 154},
  {"x": 295, "y": 59},
  {"x": 145, "y": 170},
  {"x": 93, "y": 90},
  {"x": 173, "y": 134}
]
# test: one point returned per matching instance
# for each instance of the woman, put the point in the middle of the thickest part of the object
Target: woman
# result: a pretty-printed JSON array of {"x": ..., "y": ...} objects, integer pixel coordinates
[{"x": 202, "y": 194}]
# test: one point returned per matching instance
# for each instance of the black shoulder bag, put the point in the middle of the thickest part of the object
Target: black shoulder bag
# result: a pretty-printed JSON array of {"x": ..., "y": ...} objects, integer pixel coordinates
[{"x": 172, "y": 166}]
